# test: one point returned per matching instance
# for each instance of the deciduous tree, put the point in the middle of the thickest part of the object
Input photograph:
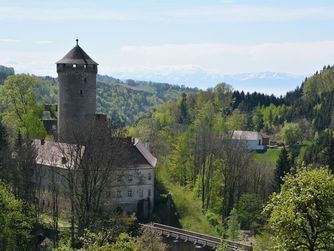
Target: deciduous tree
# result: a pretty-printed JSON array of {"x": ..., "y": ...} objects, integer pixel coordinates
[
  {"x": 302, "y": 214},
  {"x": 21, "y": 112}
]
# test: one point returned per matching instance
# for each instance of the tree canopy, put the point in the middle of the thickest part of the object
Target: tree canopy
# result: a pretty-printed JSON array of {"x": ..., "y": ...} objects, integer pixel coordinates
[
  {"x": 16, "y": 224},
  {"x": 21, "y": 112},
  {"x": 302, "y": 214}
]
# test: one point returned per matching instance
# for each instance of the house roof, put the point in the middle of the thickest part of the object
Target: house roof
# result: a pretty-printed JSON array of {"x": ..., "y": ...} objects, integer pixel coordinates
[
  {"x": 51, "y": 153},
  {"x": 145, "y": 152},
  {"x": 77, "y": 56},
  {"x": 246, "y": 135}
]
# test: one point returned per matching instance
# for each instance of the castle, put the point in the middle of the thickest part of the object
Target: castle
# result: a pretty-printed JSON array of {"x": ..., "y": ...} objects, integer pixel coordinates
[{"x": 132, "y": 187}]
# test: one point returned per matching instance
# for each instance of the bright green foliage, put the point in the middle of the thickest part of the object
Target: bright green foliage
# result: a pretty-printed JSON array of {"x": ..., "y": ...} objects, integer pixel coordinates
[
  {"x": 319, "y": 83},
  {"x": 15, "y": 224},
  {"x": 302, "y": 214},
  {"x": 223, "y": 246},
  {"x": 95, "y": 241},
  {"x": 237, "y": 121},
  {"x": 291, "y": 133},
  {"x": 264, "y": 242},
  {"x": 272, "y": 116},
  {"x": 126, "y": 102},
  {"x": 124, "y": 243},
  {"x": 182, "y": 159},
  {"x": 21, "y": 112},
  {"x": 46, "y": 90},
  {"x": 233, "y": 225},
  {"x": 249, "y": 210}
]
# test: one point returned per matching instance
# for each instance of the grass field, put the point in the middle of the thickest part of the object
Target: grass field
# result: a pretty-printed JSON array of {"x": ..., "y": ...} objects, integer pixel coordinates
[
  {"x": 188, "y": 207},
  {"x": 145, "y": 88},
  {"x": 270, "y": 156}
]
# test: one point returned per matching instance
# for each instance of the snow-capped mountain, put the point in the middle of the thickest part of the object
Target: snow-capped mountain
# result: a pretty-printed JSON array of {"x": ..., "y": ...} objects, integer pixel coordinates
[{"x": 265, "y": 82}]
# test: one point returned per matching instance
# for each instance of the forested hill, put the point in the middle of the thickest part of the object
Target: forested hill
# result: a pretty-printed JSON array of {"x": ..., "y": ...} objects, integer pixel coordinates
[
  {"x": 5, "y": 72},
  {"x": 304, "y": 115},
  {"x": 127, "y": 101},
  {"x": 192, "y": 140},
  {"x": 123, "y": 101}
]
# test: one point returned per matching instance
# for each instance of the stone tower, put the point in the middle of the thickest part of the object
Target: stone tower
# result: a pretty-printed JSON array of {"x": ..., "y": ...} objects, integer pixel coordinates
[{"x": 77, "y": 94}]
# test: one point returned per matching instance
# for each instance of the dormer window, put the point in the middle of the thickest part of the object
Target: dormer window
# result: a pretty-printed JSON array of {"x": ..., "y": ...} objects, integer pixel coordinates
[
  {"x": 74, "y": 66},
  {"x": 63, "y": 160}
]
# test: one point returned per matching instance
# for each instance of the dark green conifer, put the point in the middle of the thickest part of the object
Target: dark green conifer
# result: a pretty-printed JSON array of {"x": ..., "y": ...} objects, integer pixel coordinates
[{"x": 282, "y": 167}]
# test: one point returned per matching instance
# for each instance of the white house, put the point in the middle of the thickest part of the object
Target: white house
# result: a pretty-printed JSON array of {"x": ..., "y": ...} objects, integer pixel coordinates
[{"x": 254, "y": 140}]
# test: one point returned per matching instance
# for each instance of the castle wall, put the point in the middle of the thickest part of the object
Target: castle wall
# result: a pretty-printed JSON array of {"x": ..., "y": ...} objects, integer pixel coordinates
[{"x": 126, "y": 189}]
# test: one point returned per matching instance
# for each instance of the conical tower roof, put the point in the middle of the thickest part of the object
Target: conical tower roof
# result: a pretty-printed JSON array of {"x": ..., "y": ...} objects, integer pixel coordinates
[{"x": 76, "y": 56}]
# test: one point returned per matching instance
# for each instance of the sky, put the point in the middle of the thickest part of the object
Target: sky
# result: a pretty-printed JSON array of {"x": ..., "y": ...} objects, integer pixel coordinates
[{"x": 137, "y": 38}]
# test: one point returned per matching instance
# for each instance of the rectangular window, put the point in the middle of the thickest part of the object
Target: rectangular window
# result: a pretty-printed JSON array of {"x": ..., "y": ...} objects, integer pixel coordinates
[
  {"x": 149, "y": 176},
  {"x": 108, "y": 195},
  {"x": 149, "y": 193},
  {"x": 119, "y": 178},
  {"x": 74, "y": 66},
  {"x": 129, "y": 193},
  {"x": 130, "y": 178},
  {"x": 119, "y": 194},
  {"x": 140, "y": 193}
]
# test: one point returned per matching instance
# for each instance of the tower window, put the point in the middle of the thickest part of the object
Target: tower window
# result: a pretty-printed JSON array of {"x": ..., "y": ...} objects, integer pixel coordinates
[{"x": 80, "y": 92}]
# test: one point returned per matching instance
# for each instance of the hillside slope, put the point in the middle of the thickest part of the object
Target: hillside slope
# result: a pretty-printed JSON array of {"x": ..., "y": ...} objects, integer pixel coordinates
[{"x": 123, "y": 101}]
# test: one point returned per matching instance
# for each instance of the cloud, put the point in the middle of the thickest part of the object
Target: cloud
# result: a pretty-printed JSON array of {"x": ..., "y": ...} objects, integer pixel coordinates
[
  {"x": 58, "y": 13},
  {"x": 9, "y": 40},
  {"x": 226, "y": 11},
  {"x": 247, "y": 13},
  {"x": 293, "y": 57}
]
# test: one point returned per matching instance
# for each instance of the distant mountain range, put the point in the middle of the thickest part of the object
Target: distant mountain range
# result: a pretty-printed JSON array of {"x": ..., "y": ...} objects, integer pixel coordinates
[{"x": 265, "y": 82}]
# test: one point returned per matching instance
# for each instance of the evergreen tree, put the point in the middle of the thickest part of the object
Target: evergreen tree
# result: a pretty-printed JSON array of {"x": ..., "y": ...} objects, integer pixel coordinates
[
  {"x": 329, "y": 150},
  {"x": 233, "y": 225},
  {"x": 183, "y": 119},
  {"x": 4, "y": 152},
  {"x": 282, "y": 167}
]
